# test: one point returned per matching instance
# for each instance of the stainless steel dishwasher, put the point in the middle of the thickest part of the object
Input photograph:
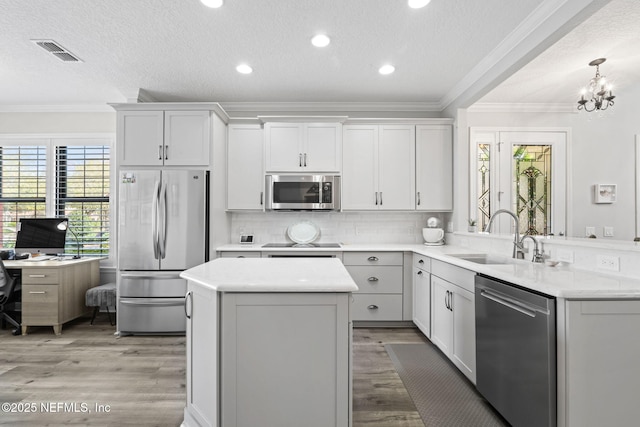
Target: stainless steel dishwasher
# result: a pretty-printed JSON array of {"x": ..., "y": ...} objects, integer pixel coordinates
[{"x": 516, "y": 352}]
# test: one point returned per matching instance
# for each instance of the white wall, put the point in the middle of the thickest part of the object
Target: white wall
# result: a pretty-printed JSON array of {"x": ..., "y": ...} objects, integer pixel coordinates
[
  {"x": 601, "y": 150},
  {"x": 14, "y": 123}
]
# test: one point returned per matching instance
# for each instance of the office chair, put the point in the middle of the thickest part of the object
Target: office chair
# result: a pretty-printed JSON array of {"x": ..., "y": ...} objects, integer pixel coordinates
[{"x": 7, "y": 298}]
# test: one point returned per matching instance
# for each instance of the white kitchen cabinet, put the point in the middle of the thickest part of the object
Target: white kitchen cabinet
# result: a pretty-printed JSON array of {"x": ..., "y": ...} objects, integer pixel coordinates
[
  {"x": 245, "y": 176},
  {"x": 379, "y": 276},
  {"x": 422, "y": 294},
  {"x": 434, "y": 168},
  {"x": 202, "y": 355},
  {"x": 598, "y": 353},
  {"x": 303, "y": 147},
  {"x": 163, "y": 138},
  {"x": 378, "y": 167},
  {"x": 285, "y": 357},
  {"x": 453, "y": 315}
]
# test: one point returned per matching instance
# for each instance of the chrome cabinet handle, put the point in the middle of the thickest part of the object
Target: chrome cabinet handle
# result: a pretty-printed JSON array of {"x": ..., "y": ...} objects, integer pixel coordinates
[
  {"x": 166, "y": 152},
  {"x": 305, "y": 160},
  {"x": 188, "y": 298},
  {"x": 300, "y": 159},
  {"x": 261, "y": 198},
  {"x": 373, "y": 307},
  {"x": 38, "y": 276},
  {"x": 160, "y": 152},
  {"x": 372, "y": 279},
  {"x": 421, "y": 261},
  {"x": 37, "y": 292},
  {"x": 418, "y": 198},
  {"x": 372, "y": 258},
  {"x": 381, "y": 198},
  {"x": 419, "y": 273},
  {"x": 376, "y": 198}
]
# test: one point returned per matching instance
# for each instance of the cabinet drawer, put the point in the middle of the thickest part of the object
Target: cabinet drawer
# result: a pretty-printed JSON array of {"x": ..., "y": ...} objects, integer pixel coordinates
[
  {"x": 39, "y": 304},
  {"x": 372, "y": 258},
  {"x": 377, "y": 307},
  {"x": 422, "y": 262},
  {"x": 40, "y": 276},
  {"x": 377, "y": 280},
  {"x": 454, "y": 274},
  {"x": 240, "y": 254}
]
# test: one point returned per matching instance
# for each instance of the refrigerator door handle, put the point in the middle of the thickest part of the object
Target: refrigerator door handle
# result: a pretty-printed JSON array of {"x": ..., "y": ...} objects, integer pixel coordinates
[
  {"x": 162, "y": 235},
  {"x": 154, "y": 219}
]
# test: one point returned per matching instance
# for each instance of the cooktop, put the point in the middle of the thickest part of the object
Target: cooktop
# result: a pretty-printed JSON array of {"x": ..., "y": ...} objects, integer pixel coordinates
[{"x": 301, "y": 245}]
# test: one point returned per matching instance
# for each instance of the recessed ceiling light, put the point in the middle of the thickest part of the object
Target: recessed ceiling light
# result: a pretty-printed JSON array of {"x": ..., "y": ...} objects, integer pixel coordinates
[
  {"x": 387, "y": 69},
  {"x": 244, "y": 69},
  {"x": 214, "y": 4},
  {"x": 417, "y": 4},
  {"x": 320, "y": 40}
]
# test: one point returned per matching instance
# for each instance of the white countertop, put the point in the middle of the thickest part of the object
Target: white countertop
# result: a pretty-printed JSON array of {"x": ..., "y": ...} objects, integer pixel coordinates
[
  {"x": 273, "y": 275},
  {"x": 561, "y": 281}
]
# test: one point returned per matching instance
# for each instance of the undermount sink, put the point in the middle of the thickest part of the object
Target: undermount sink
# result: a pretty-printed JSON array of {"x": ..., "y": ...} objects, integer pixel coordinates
[{"x": 484, "y": 258}]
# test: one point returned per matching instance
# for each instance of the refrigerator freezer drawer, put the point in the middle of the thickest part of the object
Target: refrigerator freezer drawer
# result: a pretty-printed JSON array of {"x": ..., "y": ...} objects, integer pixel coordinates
[
  {"x": 151, "y": 285},
  {"x": 151, "y": 315}
]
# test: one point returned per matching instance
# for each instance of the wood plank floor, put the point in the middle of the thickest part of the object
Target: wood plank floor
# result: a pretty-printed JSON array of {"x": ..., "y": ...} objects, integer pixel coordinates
[{"x": 142, "y": 379}]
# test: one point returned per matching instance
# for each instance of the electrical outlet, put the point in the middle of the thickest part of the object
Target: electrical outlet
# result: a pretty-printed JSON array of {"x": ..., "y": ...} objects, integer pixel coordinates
[
  {"x": 564, "y": 255},
  {"x": 608, "y": 231},
  {"x": 606, "y": 262},
  {"x": 589, "y": 231}
]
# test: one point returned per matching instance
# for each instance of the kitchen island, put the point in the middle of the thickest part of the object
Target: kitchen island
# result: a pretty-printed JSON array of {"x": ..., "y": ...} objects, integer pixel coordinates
[{"x": 268, "y": 342}]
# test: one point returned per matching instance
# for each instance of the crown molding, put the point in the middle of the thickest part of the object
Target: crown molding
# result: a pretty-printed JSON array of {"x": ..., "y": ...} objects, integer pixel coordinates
[
  {"x": 310, "y": 107},
  {"x": 63, "y": 108},
  {"x": 522, "y": 108}
]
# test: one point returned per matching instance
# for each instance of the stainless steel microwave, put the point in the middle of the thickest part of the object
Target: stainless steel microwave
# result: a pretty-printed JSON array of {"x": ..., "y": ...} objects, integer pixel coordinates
[{"x": 302, "y": 192}]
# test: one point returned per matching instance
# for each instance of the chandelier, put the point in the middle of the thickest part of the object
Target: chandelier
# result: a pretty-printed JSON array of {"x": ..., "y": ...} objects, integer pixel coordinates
[{"x": 600, "y": 94}]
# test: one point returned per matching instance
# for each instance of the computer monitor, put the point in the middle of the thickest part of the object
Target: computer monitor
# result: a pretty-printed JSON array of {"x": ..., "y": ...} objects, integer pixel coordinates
[{"x": 41, "y": 236}]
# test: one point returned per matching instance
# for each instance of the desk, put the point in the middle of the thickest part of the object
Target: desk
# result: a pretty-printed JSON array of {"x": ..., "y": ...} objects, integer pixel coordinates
[{"x": 53, "y": 292}]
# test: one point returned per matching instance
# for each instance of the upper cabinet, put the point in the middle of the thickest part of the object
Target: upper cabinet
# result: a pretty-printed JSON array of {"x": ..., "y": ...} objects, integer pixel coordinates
[
  {"x": 378, "y": 167},
  {"x": 303, "y": 147},
  {"x": 169, "y": 138},
  {"x": 245, "y": 177},
  {"x": 434, "y": 168}
]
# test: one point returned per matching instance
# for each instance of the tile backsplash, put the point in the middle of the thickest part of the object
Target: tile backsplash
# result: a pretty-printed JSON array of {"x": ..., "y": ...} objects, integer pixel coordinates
[{"x": 341, "y": 227}]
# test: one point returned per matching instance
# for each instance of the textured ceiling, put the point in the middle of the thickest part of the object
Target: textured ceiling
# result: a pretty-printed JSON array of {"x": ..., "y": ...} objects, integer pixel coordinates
[
  {"x": 557, "y": 75},
  {"x": 179, "y": 50}
]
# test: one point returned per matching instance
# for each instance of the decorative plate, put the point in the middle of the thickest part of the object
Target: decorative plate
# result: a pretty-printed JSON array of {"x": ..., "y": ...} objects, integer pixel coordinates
[{"x": 303, "y": 232}]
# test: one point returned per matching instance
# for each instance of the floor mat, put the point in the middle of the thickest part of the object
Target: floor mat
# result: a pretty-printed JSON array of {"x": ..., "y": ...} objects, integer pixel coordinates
[{"x": 441, "y": 393}]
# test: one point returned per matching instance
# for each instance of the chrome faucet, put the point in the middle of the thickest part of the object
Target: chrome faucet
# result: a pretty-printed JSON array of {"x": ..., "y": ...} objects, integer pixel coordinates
[
  {"x": 518, "y": 248},
  {"x": 538, "y": 255}
]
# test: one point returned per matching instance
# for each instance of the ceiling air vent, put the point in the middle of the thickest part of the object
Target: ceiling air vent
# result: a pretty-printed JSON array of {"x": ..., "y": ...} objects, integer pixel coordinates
[{"x": 56, "y": 50}]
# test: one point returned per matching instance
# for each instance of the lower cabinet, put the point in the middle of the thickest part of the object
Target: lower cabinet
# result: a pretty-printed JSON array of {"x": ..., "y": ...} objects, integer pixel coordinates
[
  {"x": 379, "y": 276},
  {"x": 285, "y": 357},
  {"x": 422, "y": 294},
  {"x": 453, "y": 315}
]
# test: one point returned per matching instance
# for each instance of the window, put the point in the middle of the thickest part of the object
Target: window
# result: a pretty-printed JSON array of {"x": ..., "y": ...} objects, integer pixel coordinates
[
  {"x": 58, "y": 177},
  {"x": 524, "y": 172}
]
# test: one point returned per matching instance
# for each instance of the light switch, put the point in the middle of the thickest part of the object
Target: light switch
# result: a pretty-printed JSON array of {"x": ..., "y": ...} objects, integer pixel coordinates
[
  {"x": 588, "y": 231},
  {"x": 608, "y": 231}
]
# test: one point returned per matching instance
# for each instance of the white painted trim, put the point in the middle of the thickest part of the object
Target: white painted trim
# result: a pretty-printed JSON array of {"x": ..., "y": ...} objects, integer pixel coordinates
[
  {"x": 104, "y": 135},
  {"x": 274, "y": 107},
  {"x": 637, "y": 231},
  {"x": 71, "y": 108},
  {"x": 522, "y": 108}
]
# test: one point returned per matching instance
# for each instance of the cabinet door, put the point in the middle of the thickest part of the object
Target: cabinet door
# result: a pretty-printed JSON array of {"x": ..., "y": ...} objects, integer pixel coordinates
[
  {"x": 434, "y": 168},
  {"x": 323, "y": 147},
  {"x": 463, "y": 350},
  {"x": 202, "y": 354},
  {"x": 283, "y": 147},
  {"x": 441, "y": 318},
  {"x": 140, "y": 137},
  {"x": 360, "y": 167},
  {"x": 396, "y": 154},
  {"x": 186, "y": 138},
  {"x": 245, "y": 177},
  {"x": 422, "y": 301}
]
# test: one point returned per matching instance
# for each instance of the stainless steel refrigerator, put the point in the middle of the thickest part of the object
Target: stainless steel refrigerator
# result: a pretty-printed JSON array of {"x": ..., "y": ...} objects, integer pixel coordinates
[{"x": 162, "y": 230}]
